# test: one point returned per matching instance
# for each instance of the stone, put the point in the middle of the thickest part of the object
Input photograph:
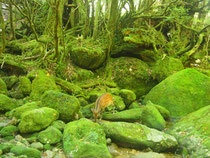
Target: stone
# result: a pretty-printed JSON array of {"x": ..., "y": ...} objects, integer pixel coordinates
[
  {"x": 9, "y": 131},
  {"x": 128, "y": 95},
  {"x": 139, "y": 137},
  {"x": 181, "y": 93},
  {"x": 29, "y": 152},
  {"x": 37, "y": 119},
  {"x": 83, "y": 138},
  {"x": 68, "y": 106},
  {"x": 6, "y": 103},
  {"x": 51, "y": 135}
]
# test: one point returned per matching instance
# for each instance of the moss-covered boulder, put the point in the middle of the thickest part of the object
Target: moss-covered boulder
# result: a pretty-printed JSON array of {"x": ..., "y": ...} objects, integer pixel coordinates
[
  {"x": 3, "y": 87},
  {"x": 138, "y": 136},
  {"x": 93, "y": 95},
  {"x": 148, "y": 116},
  {"x": 163, "y": 111},
  {"x": 118, "y": 103},
  {"x": 43, "y": 82},
  {"x": 37, "y": 119},
  {"x": 132, "y": 73},
  {"x": 134, "y": 105},
  {"x": 181, "y": 93},
  {"x": 59, "y": 125},
  {"x": 8, "y": 131},
  {"x": 29, "y": 152},
  {"x": 128, "y": 96},
  {"x": 10, "y": 81},
  {"x": 88, "y": 58},
  {"x": 83, "y": 138},
  {"x": 18, "y": 112},
  {"x": 193, "y": 132},
  {"x": 5, "y": 147},
  {"x": 25, "y": 85},
  {"x": 67, "y": 106},
  {"x": 51, "y": 135},
  {"x": 87, "y": 110},
  {"x": 6, "y": 103},
  {"x": 166, "y": 67},
  {"x": 68, "y": 87}
]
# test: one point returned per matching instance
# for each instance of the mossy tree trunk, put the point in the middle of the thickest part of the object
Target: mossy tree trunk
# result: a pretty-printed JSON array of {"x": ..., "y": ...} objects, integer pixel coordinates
[
  {"x": 11, "y": 21},
  {"x": 112, "y": 22},
  {"x": 95, "y": 29},
  {"x": 2, "y": 30}
]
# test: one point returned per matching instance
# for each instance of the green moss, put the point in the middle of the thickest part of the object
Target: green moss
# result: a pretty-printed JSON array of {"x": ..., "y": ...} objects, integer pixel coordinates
[
  {"x": 5, "y": 147},
  {"x": 29, "y": 152},
  {"x": 10, "y": 81},
  {"x": 89, "y": 58},
  {"x": 59, "y": 124},
  {"x": 83, "y": 138},
  {"x": 43, "y": 82},
  {"x": 166, "y": 67},
  {"x": 87, "y": 110},
  {"x": 128, "y": 96},
  {"x": 134, "y": 105},
  {"x": 8, "y": 131},
  {"x": 138, "y": 136},
  {"x": 193, "y": 133},
  {"x": 18, "y": 112},
  {"x": 50, "y": 136},
  {"x": 118, "y": 103},
  {"x": 163, "y": 111},
  {"x": 67, "y": 106},
  {"x": 6, "y": 103},
  {"x": 181, "y": 93},
  {"x": 37, "y": 119},
  {"x": 151, "y": 117},
  {"x": 3, "y": 87},
  {"x": 133, "y": 74},
  {"x": 25, "y": 85}
]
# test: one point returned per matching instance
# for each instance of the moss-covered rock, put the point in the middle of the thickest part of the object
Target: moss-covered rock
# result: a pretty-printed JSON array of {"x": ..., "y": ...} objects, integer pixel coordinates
[
  {"x": 10, "y": 81},
  {"x": 87, "y": 110},
  {"x": 67, "y": 106},
  {"x": 37, "y": 119},
  {"x": 51, "y": 135},
  {"x": 29, "y": 152},
  {"x": 138, "y": 136},
  {"x": 82, "y": 101},
  {"x": 5, "y": 147},
  {"x": 152, "y": 118},
  {"x": 3, "y": 87},
  {"x": 25, "y": 85},
  {"x": 166, "y": 67},
  {"x": 18, "y": 112},
  {"x": 134, "y": 105},
  {"x": 193, "y": 132},
  {"x": 148, "y": 116},
  {"x": 118, "y": 103},
  {"x": 83, "y": 138},
  {"x": 8, "y": 131},
  {"x": 6, "y": 103},
  {"x": 93, "y": 95},
  {"x": 163, "y": 111},
  {"x": 132, "y": 73},
  {"x": 43, "y": 82},
  {"x": 128, "y": 96},
  {"x": 59, "y": 125},
  {"x": 182, "y": 92},
  {"x": 88, "y": 58},
  {"x": 68, "y": 87}
]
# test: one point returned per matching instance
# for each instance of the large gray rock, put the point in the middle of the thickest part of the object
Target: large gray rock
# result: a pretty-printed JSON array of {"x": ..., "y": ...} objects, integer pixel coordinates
[
  {"x": 83, "y": 138},
  {"x": 138, "y": 136}
]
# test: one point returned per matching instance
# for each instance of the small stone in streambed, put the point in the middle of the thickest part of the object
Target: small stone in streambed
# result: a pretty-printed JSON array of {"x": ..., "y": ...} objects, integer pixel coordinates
[
  {"x": 37, "y": 145},
  {"x": 108, "y": 141}
]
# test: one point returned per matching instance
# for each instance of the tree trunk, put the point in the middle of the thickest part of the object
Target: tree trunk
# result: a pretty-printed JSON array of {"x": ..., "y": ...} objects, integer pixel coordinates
[
  {"x": 11, "y": 22},
  {"x": 2, "y": 31},
  {"x": 111, "y": 32},
  {"x": 95, "y": 29}
]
